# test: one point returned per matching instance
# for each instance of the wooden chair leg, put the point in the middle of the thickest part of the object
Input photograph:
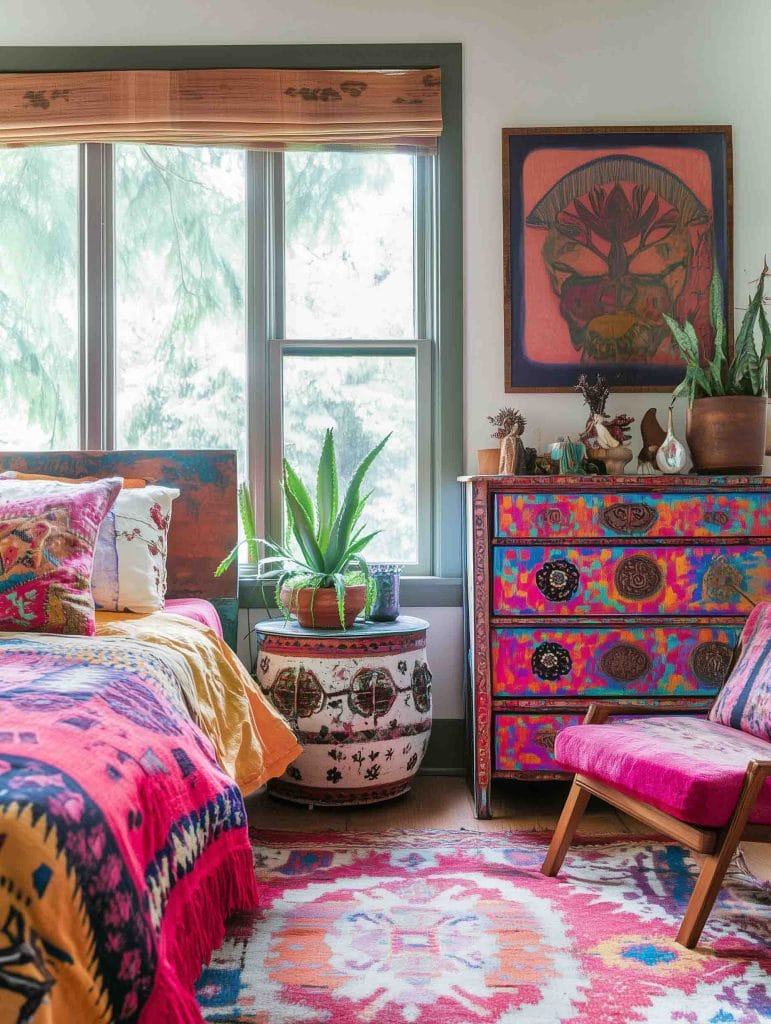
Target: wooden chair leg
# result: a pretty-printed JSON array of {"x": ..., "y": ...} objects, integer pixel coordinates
[
  {"x": 715, "y": 866},
  {"x": 572, "y": 812},
  {"x": 704, "y": 895}
]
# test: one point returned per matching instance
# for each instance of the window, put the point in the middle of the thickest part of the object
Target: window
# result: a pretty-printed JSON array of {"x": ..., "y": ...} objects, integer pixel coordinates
[
  {"x": 355, "y": 350},
  {"x": 39, "y": 370},
  {"x": 160, "y": 296},
  {"x": 180, "y": 276},
  {"x": 225, "y": 276}
]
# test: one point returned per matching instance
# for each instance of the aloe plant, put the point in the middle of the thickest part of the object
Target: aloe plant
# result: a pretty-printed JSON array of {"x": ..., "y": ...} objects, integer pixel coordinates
[
  {"x": 747, "y": 372},
  {"x": 327, "y": 533}
]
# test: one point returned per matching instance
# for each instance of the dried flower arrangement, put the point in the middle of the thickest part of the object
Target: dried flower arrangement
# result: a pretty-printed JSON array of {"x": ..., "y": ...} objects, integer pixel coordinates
[{"x": 605, "y": 437}]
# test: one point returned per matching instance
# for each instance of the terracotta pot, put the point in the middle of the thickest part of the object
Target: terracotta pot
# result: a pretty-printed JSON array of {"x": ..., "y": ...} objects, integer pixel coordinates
[
  {"x": 489, "y": 460},
  {"x": 317, "y": 609},
  {"x": 727, "y": 435}
]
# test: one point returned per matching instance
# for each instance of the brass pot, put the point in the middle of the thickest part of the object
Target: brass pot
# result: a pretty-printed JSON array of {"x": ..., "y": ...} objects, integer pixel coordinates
[
  {"x": 489, "y": 460},
  {"x": 317, "y": 609},
  {"x": 727, "y": 435}
]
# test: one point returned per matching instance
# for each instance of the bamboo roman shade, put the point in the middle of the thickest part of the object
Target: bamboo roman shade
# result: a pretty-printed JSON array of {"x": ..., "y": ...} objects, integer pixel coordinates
[{"x": 251, "y": 107}]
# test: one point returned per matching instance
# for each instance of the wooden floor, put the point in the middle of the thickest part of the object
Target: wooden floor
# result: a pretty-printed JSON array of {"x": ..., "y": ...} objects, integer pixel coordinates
[{"x": 444, "y": 802}]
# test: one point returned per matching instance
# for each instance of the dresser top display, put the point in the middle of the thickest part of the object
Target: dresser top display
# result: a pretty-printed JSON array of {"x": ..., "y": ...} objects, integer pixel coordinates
[{"x": 638, "y": 484}]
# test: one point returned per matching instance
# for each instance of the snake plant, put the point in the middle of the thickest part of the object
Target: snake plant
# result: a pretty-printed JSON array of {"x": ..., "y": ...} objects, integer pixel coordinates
[
  {"x": 328, "y": 537},
  {"x": 746, "y": 373}
]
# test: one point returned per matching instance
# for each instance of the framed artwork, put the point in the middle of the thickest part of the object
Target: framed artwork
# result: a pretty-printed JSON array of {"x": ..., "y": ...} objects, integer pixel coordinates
[{"x": 604, "y": 230}]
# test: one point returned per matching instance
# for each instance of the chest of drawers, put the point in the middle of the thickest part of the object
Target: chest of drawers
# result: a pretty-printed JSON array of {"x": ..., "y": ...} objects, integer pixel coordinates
[{"x": 619, "y": 589}]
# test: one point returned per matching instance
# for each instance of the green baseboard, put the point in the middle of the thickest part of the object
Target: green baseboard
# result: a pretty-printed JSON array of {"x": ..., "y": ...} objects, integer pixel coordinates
[{"x": 446, "y": 754}]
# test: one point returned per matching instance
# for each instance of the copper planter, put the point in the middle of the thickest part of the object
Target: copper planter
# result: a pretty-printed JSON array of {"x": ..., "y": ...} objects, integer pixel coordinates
[{"x": 727, "y": 435}]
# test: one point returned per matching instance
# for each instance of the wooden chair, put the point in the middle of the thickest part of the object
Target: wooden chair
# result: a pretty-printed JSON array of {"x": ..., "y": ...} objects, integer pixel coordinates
[{"x": 706, "y": 783}]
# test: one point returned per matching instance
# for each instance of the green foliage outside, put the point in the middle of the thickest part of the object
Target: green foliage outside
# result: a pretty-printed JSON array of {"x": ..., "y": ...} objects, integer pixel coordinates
[{"x": 180, "y": 243}]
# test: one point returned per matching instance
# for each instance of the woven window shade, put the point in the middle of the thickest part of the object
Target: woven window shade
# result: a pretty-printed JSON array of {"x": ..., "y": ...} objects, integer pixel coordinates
[{"x": 250, "y": 107}]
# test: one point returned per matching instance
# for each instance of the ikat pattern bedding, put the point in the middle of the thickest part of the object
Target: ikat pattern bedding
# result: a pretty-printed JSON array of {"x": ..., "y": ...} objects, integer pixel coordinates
[{"x": 123, "y": 839}]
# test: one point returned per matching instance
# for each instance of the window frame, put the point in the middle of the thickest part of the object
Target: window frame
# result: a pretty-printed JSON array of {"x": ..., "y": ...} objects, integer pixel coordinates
[{"x": 441, "y": 308}]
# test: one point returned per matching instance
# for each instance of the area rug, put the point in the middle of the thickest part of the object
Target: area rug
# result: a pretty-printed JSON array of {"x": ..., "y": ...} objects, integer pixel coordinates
[{"x": 440, "y": 927}]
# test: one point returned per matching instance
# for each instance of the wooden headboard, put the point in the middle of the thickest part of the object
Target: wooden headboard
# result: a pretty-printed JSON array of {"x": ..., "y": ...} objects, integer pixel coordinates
[{"x": 204, "y": 523}]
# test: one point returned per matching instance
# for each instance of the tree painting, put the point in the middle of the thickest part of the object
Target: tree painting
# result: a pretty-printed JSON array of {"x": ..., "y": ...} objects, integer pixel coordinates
[{"x": 606, "y": 234}]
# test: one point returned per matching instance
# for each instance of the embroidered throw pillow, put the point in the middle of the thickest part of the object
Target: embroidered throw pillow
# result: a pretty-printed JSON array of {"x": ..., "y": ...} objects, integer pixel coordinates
[
  {"x": 745, "y": 700},
  {"x": 130, "y": 558},
  {"x": 47, "y": 543}
]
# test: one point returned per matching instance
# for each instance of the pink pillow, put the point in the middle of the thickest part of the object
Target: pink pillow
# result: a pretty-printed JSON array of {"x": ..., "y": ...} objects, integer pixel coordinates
[
  {"x": 745, "y": 700},
  {"x": 47, "y": 556}
]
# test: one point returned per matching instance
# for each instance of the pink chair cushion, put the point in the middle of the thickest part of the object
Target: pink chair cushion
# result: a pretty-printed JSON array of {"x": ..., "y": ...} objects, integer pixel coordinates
[
  {"x": 745, "y": 700},
  {"x": 689, "y": 767}
]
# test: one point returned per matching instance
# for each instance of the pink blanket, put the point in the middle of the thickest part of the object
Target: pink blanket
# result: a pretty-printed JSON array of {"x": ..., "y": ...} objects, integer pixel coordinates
[{"x": 123, "y": 846}]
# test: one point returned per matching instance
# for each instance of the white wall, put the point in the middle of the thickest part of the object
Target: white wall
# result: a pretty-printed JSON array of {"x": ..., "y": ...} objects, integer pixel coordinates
[{"x": 526, "y": 62}]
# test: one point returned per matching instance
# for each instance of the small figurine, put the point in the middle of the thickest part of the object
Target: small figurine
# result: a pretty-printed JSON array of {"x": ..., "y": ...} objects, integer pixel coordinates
[
  {"x": 510, "y": 423},
  {"x": 569, "y": 454},
  {"x": 653, "y": 435},
  {"x": 606, "y": 439}
]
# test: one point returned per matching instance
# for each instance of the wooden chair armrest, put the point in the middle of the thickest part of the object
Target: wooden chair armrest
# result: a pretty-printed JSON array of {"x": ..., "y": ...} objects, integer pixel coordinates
[
  {"x": 754, "y": 778},
  {"x": 598, "y": 714}
]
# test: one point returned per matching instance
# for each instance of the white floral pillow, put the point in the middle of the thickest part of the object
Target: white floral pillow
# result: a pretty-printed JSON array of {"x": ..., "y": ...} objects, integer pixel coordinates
[{"x": 130, "y": 555}]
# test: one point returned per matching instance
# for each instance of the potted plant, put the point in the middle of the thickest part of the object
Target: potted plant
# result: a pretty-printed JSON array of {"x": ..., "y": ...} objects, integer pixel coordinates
[
  {"x": 726, "y": 422},
  {"x": 324, "y": 580}
]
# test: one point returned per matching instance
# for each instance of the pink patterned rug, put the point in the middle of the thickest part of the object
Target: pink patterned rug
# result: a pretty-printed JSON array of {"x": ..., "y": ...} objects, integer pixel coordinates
[{"x": 439, "y": 927}]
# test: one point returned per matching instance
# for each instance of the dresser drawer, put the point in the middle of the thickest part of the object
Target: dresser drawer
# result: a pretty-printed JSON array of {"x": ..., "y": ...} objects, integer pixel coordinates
[
  {"x": 652, "y": 515},
  {"x": 599, "y": 661},
  {"x": 524, "y": 742},
  {"x": 625, "y": 580}
]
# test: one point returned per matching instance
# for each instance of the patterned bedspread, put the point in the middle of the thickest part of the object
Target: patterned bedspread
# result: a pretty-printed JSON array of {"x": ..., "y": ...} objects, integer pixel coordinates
[{"x": 123, "y": 845}]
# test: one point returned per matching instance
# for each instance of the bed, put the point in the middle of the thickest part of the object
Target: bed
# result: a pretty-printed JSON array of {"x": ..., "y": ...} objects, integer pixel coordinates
[{"x": 124, "y": 758}]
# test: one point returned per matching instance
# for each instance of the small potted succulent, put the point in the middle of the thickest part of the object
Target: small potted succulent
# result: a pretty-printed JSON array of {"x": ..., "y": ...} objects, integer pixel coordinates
[
  {"x": 324, "y": 580},
  {"x": 727, "y": 394}
]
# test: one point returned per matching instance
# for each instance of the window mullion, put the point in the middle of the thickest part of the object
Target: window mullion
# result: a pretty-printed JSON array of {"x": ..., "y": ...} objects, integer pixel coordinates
[
  {"x": 257, "y": 327},
  {"x": 97, "y": 300},
  {"x": 423, "y": 242},
  {"x": 274, "y": 434}
]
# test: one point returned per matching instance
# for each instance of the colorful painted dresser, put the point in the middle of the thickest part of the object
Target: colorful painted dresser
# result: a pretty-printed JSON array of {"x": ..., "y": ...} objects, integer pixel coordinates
[{"x": 620, "y": 589}]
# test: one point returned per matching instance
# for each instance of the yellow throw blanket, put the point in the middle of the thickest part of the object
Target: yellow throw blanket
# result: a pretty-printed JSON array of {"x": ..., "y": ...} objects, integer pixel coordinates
[{"x": 252, "y": 741}]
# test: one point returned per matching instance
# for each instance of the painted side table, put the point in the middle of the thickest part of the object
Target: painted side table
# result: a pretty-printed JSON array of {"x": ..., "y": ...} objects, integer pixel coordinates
[{"x": 360, "y": 703}]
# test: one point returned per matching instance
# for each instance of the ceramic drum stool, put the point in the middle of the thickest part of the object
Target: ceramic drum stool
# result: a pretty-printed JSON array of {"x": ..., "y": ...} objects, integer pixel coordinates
[{"x": 359, "y": 701}]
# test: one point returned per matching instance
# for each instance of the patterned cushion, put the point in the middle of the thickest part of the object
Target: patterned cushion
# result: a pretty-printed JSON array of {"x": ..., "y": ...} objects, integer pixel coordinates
[
  {"x": 745, "y": 700},
  {"x": 689, "y": 767},
  {"x": 130, "y": 559},
  {"x": 47, "y": 555}
]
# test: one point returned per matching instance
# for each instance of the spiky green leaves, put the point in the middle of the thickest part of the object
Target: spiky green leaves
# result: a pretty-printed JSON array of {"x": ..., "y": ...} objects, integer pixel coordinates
[
  {"x": 326, "y": 489},
  {"x": 329, "y": 540},
  {"x": 747, "y": 373}
]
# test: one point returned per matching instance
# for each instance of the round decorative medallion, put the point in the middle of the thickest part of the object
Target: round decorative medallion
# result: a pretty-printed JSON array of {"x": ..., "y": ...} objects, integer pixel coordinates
[
  {"x": 372, "y": 693},
  {"x": 545, "y": 737},
  {"x": 722, "y": 581},
  {"x": 638, "y": 577},
  {"x": 421, "y": 687},
  {"x": 297, "y": 693},
  {"x": 550, "y": 661},
  {"x": 629, "y": 517},
  {"x": 558, "y": 580},
  {"x": 710, "y": 661},
  {"x": 625, "y": 662}
]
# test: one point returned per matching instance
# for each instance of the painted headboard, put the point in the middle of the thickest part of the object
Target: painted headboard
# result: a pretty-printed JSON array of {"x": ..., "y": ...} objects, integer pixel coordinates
[{"x": 204, "y": 524}]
